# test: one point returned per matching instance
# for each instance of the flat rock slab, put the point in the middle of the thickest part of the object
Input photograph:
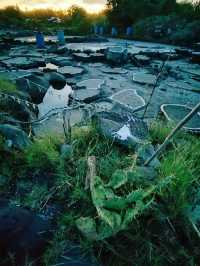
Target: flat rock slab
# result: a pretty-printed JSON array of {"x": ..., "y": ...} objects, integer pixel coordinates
[
  {"x": 82, "y": 57},
  {"x": 142, "y": 59},
  {"x": 130, "y": 99},
  {"x": 86, "y": 95},
  {"x": 70, "y": 71},
  {"x": 18, "y": 137},
  {"x": 195, "y": 72},
  {"x": 24, "y": 52},
  {"x": 92, "y": 57},
  {"x": 25, "y": 62},
  {"x": 176, "y": 112},
  {"x": 13, "y": 75},
  {"x": 61, "y": 61},
  {"x": 144, "y": 78},
  {"x": 115, "y": 70},
  {"x": 90, "y": 84},
  {"x": 185, "y": 86},
  {"x": 103, "y": 106}
]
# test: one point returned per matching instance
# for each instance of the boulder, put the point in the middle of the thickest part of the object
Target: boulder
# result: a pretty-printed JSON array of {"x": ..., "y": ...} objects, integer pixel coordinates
[
  {"x": 23, "y": 234},
  {"x": 36, "y": 86},
  {"x": 125, "y": 128},
  {"x": 116, "y": 55},
  {"x": 18, "y": 109},
  {"x": 17, "y": 137}
]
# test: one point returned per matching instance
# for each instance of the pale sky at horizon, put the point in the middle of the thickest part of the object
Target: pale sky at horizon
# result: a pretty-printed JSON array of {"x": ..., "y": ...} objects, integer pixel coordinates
[
  {"x": 93, "y": 6},
  {"x": 89, "y": 5}
]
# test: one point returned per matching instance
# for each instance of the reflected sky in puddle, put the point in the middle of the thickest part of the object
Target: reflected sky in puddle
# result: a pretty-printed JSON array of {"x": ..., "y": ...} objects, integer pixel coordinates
[{"x": 54, "y": 99}]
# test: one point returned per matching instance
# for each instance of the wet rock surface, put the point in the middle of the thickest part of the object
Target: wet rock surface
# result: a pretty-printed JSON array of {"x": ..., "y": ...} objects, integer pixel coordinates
[
  {"x": 115, "y": 80},
  {"x": 90, "y": 84},
  {"x": 120, "y": 70},
  {"x": 70, "y": 71},
  {"x": 129, "y": 98}
]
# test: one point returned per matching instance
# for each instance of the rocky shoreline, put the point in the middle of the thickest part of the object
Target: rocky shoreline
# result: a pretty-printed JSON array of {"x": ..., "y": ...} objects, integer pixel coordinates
[{"x": 111, "y": 80}]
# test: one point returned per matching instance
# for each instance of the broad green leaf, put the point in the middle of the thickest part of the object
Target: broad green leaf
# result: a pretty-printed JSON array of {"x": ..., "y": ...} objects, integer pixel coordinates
[
  {"x": 118, "y": 179},
  {"x": 87, "y": 226},
  {"x": 112, "y": 218}
]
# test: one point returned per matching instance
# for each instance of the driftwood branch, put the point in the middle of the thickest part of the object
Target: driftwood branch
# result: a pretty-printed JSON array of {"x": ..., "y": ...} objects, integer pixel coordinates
[{"x": 91, "y": 170}]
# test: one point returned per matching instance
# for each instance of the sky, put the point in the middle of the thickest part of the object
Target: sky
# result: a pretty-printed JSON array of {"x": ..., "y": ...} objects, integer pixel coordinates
[{"x": 92, "y": 6}]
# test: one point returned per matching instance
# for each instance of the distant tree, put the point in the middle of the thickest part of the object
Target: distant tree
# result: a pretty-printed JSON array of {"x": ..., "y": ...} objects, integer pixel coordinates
[
  {"x": 11, "y": 15},
  {"x": 127, "y": 12}
]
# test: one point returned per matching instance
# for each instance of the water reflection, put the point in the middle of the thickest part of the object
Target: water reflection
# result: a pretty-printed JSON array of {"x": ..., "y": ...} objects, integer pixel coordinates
[{"x": 54, "y": 99}]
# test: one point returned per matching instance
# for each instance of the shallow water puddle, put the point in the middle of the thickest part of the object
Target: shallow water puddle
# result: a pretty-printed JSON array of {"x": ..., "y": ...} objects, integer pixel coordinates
[{"x": 54, "y": 99}]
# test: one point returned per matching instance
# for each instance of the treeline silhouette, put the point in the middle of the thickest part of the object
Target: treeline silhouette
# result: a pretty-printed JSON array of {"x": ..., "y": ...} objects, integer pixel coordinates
[{"x": 163, "y": 20}]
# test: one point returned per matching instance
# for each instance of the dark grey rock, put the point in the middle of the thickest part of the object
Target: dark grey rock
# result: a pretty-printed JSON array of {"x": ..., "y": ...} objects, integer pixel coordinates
[
  {"x": 36, "y": 86},
  {"x": 122, "y": 128},
  {"x": 18, "y": 109},
  {"x": 116, "y": 55},
  {"x": 17, "y": 136}
]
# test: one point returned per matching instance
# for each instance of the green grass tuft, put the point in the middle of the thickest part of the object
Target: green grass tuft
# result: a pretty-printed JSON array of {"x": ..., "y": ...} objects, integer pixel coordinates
[
  {"x": 7, "y": 86},
  {"x": 43, "y": 154}
]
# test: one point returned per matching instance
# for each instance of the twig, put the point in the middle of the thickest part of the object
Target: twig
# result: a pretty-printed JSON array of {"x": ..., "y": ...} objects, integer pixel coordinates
[{"x": 155, "y": 85}]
